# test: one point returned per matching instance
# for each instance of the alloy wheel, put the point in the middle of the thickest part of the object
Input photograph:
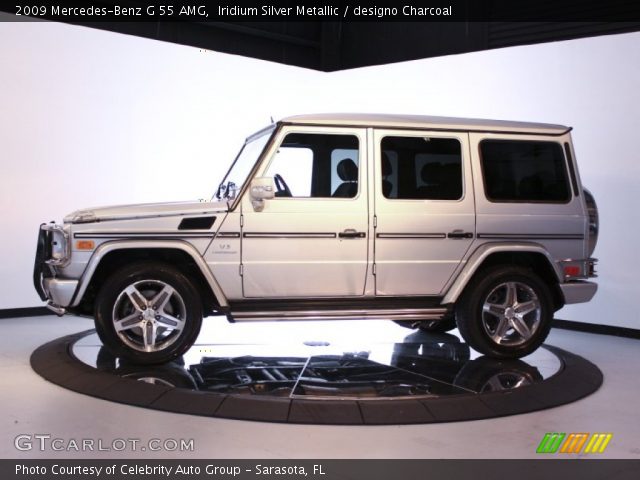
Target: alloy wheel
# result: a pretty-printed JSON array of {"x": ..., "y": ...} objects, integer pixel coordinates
[
  {"x": 511, "y": 313},
  {"x": 149, "y": 315}
]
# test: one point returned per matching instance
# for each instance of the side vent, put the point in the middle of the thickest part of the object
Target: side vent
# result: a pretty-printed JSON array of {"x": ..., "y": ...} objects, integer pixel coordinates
[{"x": 197, "y": 223}]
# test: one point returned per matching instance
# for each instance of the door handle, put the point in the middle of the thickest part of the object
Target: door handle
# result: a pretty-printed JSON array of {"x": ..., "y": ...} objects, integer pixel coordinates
[
  {"x": 351, "y": 233},
  {"x": 459, "y": 234}
]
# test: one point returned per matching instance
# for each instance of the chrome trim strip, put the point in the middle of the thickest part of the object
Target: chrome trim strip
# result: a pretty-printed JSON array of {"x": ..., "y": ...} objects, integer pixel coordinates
[
  {"x": 355, "y": 314},
  {"x": 288, "y": 235},
  {"x": 411, "y": 235},
  {"x": 533, "y": 236},
  {"x": 228, "y": 235},
  {"x": 162, "y": 235}
]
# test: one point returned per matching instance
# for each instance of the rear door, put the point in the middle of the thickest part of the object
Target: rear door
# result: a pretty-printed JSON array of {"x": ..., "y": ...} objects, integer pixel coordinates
[{"x": 424, "y": 209}]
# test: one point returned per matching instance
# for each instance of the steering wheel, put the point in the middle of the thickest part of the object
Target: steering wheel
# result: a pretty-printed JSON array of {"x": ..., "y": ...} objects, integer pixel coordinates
[{"x": 282, "y": 189}]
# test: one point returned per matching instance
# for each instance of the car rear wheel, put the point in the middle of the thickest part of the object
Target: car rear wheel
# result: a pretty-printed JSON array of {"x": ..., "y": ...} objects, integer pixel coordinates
[
  {"x": 148, "y": 313},
  {"x": 505, "y": 312}
]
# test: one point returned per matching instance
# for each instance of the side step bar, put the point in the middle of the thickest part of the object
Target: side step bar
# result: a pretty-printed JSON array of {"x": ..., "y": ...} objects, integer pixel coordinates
[{"x": 348, "y": 314}]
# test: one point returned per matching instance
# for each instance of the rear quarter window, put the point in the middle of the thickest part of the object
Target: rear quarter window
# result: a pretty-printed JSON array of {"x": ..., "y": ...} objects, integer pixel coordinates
[{"x": 524, "y": 171}]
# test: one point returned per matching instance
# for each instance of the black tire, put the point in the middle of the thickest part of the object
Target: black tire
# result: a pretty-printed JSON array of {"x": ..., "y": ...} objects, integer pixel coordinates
[
  {"x": 429, "y": 326},
  {"x": 492, "y": 285},
  {"x": 175, "y": 322}
]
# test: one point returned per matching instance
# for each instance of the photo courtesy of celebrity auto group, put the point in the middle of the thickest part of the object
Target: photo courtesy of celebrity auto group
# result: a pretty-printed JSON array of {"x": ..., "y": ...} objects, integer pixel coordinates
[{"x": 334, "y": 240}]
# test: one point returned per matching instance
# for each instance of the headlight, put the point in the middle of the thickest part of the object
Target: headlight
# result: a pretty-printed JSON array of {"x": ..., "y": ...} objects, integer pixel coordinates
[{"x": 59, "y": 244}]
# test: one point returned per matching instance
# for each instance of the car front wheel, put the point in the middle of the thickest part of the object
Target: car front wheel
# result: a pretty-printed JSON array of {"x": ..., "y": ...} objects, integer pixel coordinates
[
  {"x": 506, "y": 312},
  {"x": 148, "y": 313}
]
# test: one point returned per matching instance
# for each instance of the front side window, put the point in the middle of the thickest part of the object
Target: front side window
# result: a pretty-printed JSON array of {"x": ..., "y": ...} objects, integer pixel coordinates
[
  {"x": 524, "y": 171},
  {"x": 313, "y": 165},
  {"x": 421, "y": 168}
]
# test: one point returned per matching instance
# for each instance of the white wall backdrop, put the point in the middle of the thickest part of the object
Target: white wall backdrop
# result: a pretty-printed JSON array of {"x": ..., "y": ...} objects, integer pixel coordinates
[
  {"x": 90, "y": 117},
  {"x": 95, "y": 118}
]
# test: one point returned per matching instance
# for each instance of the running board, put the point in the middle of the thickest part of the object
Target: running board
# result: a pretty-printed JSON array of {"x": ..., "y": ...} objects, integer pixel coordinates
[{"x": 350, "y": 314}]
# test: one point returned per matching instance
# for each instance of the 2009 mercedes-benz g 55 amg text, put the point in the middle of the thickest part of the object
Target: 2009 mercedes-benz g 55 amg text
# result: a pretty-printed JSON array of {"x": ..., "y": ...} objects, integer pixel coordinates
[{"x": 432, "y": 222}]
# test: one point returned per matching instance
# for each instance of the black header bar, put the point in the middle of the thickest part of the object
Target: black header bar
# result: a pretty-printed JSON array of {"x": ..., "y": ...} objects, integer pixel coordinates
[{"x": 327, "y": 10}]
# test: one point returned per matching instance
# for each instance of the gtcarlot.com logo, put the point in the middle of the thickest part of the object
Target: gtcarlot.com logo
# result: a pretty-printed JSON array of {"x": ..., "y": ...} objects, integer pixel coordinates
[
  {"x": 574, "y": 442},
  {"x": 45, "y": 442}
]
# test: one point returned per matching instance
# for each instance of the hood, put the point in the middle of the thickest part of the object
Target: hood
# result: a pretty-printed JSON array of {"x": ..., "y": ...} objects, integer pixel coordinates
[{"x": 144, "y": 210}]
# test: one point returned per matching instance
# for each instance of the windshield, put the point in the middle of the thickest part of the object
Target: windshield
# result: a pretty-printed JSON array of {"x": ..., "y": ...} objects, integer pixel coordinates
[{"x": 246, "y": 159}]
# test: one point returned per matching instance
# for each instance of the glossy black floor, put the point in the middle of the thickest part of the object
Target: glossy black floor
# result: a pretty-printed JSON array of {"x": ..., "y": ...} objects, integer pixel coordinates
[
  {"x": 423, "y": 365},
  {"x": 361, "y": 372}
]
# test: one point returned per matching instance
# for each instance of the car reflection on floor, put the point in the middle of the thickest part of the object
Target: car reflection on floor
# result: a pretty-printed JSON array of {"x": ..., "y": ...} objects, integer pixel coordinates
[{"x": 423, "y": 365}]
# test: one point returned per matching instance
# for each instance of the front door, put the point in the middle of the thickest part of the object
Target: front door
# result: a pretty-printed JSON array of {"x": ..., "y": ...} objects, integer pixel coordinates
[
  {"x": 424, "y": 207},
  {"x": 311, "y": 240}
]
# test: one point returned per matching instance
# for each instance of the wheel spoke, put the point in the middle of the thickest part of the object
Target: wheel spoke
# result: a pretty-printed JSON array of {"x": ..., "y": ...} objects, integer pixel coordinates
[
  {"x": 149, "y": 336},
  {"x": 493, "y": 309},
  {"x": 137, "y": 299},
  {"x": 171, "y": 321},
  {"x": 520, "y": 326},
  {"x": 501, "y": 330},
  {"x": 127, "y": 323},
  {"x": 526, "y": 307},
  {"x": 511, "y": 296},
  {"x": 160, "y": 300}
]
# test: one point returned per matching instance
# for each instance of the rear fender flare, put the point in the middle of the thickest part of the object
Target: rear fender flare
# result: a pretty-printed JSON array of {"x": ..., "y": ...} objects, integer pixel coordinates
[{"x": 476, "y": 259}]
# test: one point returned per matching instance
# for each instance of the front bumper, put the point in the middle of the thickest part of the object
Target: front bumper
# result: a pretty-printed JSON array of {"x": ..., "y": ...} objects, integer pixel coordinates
[
  {"x": 60, "y": 291},
  {"x": 578, "y": 291}
]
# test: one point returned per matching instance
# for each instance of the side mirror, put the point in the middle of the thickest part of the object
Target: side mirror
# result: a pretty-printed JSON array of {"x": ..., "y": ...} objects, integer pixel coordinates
[{"x": 262, "y": 188}]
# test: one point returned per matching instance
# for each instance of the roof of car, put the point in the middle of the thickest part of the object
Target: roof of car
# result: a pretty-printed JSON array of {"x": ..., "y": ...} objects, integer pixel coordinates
[{"x": 424, "y": 122}]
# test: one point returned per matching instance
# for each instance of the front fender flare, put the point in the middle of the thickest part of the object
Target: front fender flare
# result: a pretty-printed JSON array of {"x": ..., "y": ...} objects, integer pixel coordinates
[{"x": 109, "y": 247}]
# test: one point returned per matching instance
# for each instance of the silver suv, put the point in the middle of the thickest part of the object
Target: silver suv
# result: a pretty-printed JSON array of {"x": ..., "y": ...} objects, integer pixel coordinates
[{"x": 431, "y": 222}]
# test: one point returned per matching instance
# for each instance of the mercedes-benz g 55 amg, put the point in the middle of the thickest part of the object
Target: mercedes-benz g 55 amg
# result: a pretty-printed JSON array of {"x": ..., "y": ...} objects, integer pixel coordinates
[{"x": 432, "y": 222}]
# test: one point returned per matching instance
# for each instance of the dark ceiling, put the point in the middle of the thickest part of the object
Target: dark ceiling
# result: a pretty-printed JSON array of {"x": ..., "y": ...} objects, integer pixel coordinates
[
  {"x": 331, "y": 46},
  {"x": 338, "y": 45}
]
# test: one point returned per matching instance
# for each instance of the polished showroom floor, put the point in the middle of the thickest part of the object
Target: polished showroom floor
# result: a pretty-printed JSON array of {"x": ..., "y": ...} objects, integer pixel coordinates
[{"x": 31, "y": 405}]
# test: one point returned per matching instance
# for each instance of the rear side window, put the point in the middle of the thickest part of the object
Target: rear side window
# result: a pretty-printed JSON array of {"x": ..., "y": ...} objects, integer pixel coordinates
[
  {"x": 421, "y": 168},
  {"x": 524, "y": 171}
]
